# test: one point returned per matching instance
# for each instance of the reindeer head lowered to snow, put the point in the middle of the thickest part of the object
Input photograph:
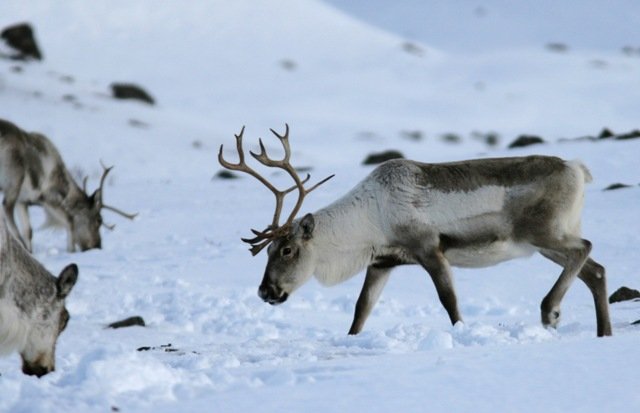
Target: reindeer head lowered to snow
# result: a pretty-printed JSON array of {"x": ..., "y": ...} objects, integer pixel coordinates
[
  {"x": 471, "y": 213},
  {"x": 32, "y": 172},
  {"x": 81, "y": 214},
  {"x": 85, "y": 215},
  {"x": 288, "y": 252},
  {"x": 32, "y": 305}
]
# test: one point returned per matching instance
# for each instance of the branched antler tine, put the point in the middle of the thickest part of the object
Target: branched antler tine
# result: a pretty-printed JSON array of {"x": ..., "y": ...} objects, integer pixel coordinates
[
  {"x": 230, "y": 165},
  {"x": 262, "y": 157},
  {"x": 263, "y": 238},
  {"x": 284, "y": 139},
  {"x": 84, "y": 184},
  {"x": 252, "y": 240},
  {"x": 319, "y": 183},
  {"x": 259, "y": 247},
  {"x": 104, "y": 174},
  {"x": 286, "y": 132},
  {"x": 260, "y": 235},
  {"x": 110, "y": 227},
  {"x": 99, "y": 192},
  {"x": 224, "y": 163},
  {"x": 303, "y": 193},
  {"x": 239, "y": 145},
  {"x": 241, "y": 166},
  {"x": 304, "y": 181},
  {"x": 276, "y": 214},
  {"x": 120, "y": 212}
]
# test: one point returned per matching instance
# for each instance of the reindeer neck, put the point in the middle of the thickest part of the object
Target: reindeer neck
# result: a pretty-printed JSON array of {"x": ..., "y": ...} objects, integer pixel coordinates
[
  {"x": 63, "y": 193},
  {"x": 344, "y": 237}
]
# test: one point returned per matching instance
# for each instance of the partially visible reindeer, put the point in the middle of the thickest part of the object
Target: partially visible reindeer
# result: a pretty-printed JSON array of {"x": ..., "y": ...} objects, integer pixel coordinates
[
  {"x": 32, "y": 173},
  {"x": 473, "y": 213},
  {"x": 32, "y": 305}
]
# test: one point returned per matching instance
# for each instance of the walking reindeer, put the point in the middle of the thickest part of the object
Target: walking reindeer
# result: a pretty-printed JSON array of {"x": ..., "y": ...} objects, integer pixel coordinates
[
  {"x": 473, "y": 213},
  {"x": 32, "y": 173},
  {"x": 32, "y": 305}
]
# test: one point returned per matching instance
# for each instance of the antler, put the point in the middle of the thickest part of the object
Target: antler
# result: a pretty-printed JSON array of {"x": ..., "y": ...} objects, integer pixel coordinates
[
  {"x": 263, "y": 238},
  {"x": 99, "y": 191}
]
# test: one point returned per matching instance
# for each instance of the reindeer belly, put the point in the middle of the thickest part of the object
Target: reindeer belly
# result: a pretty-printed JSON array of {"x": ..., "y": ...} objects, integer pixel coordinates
[
  {"x": 487, "y": 254},
  {"x": 474, "y": 227}
]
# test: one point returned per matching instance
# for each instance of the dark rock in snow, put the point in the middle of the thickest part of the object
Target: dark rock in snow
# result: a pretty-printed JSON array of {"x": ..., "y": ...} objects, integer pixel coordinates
[
  {"x": 489, "y": 138},
  {"x": 624, "y": 294},
  {"x": 288, "y": 64},
  {"x": 20, "y": 37},
  {"x": 525, "y": 140},
  {"x": 167, "y": 348},
  {"x": 224, "y": 174},
  {"x": 136, "y": 123},
  {"x": 557, "y": 47},
  {"x": 376, "y": 158},
  {"x": 131, "y": 91},
  {"x": 606, "y": 133},
  {"x": 413, "y": 49},
  {"x": 414, "y": 135},
  {"x": 451, "y": 138},
  {"x": 617, "y": 185},
  {"x": 630, "y": 135},
  {"x": 631, "y": 51},
  {"x": 128, "y": 322}
]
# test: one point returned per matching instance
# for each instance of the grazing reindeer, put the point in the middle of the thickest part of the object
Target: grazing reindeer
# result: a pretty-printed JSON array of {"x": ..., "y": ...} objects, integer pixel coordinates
[
  {"x": 32, "y": 311},
  {"x": 32, "y": 173},
  {"x": 473, "y": 213}
]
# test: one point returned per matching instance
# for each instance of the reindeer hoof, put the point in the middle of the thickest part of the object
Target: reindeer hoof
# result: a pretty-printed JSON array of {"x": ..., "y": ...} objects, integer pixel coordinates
[{"x": 551, "y": 318}]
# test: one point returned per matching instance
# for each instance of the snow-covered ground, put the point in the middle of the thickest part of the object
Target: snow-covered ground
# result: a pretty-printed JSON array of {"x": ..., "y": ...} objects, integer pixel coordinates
[{"x": 348, "y": 83}]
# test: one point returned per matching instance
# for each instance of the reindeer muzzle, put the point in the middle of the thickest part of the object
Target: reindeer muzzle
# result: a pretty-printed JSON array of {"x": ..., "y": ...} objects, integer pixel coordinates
[
  {"x": 35, "y": 369},
  {"x": 272, "y": 294}
]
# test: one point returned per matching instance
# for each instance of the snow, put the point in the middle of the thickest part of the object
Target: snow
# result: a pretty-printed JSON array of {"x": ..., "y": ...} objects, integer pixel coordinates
[{"x": 347, "y": 84}]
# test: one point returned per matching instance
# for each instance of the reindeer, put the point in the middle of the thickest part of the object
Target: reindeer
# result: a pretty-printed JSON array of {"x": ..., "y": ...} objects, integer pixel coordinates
[
  {"x": 32, "y": 305},
  {"x": 32, "y": 173},
  {"x": 473, "y": 213}
]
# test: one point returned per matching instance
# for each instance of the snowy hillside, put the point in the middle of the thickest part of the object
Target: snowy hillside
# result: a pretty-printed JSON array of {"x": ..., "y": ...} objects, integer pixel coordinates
[{"x": 349, "y": 82}]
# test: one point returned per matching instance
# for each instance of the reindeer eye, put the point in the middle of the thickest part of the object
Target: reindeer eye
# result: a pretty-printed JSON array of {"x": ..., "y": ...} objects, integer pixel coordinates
[{"x": 286, "y": 251}]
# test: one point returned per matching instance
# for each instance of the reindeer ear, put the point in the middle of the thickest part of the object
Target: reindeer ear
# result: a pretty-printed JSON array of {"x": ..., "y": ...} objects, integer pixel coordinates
[
  {"x": 66, "y": 280},
  {"x": 307, "y": 223}
]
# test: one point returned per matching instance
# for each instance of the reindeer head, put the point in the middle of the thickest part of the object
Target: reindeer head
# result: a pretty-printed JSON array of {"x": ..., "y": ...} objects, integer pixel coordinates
[
  {"x": 85, "y": 218},
  {"x": 50, "y": 318},
  {"x": 290, "y": 253},
  {"x": 290, "y": 264}
]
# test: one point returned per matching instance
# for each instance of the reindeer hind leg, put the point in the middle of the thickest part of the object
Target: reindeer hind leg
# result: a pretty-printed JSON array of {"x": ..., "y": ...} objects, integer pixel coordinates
[
  {"x": 593, "y": 275},
  {"x": 25, "y": 224},
  {"x": 571, "y": 253}
]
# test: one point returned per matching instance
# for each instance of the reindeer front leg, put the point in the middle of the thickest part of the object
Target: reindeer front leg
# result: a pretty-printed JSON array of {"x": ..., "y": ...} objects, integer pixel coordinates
[
  {"x": 71, "y": 245},
  {"x": 438, "y": 268},
  {"x": 8, "y": 205},
  {"x": 58, "y": 216},
  {"x": 25, "y": 224},
  {"x": 374, "y": 282}
]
